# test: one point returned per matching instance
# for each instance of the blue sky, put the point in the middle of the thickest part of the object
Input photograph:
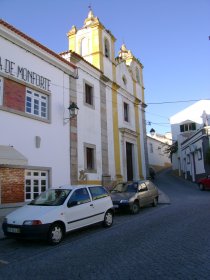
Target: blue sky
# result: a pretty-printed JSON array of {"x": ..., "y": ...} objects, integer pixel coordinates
[{"x": 169, "y": 37}]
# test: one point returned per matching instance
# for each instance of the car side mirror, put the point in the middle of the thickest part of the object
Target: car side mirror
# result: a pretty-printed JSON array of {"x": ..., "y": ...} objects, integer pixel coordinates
[{"x": 72, "y": 203}]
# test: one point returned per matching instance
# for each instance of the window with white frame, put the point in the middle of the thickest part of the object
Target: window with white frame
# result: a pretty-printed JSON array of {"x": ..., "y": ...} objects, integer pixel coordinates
[
  {"x": 1, "y": 90},
  {"x": 90, "y": 157},
  {"x": 36, "y": 103},
  {"x": 187, "y": 127},
  {"x": 36, "y": 181},
  {"x": 126, "y": 112}
]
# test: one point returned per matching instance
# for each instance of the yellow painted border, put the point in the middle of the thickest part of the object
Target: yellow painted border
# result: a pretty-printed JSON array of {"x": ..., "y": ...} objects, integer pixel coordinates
[
  {"x": 116, "y": 131},
  {"x": 137, "y": 123},
  {"x": 97, "y": 48}
]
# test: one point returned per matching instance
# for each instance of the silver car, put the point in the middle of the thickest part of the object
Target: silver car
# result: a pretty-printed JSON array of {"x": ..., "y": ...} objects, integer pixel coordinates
[{"x": 133, "y": 195}]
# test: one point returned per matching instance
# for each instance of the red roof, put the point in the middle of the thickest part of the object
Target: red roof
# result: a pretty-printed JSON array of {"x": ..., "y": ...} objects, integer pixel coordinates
[{"x": 26, "y": 37}]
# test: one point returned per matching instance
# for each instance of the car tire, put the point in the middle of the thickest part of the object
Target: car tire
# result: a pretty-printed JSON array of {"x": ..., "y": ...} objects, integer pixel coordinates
[
  {"x": 108, "y": 219},
  {"x": 201, "y": 187},
  {"x": 155, "y": 202},
  {"x": 135, "y": 208},
  {"x": 55, "y": 234}
]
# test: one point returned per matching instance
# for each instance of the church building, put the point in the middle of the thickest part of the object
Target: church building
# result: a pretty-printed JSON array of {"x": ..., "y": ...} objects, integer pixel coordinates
[{"x": 108, "y": 138}]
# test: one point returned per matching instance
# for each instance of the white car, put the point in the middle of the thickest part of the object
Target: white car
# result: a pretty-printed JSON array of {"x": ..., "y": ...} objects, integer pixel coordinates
[{"x": 60, "y": 210}]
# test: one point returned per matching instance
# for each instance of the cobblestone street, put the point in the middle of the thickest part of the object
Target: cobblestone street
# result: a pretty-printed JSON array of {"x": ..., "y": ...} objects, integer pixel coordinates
[{"x": 167, "y": 242}]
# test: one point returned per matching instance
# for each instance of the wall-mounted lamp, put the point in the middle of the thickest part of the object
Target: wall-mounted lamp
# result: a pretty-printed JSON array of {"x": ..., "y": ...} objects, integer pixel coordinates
[{"x": 73, "y": 111}]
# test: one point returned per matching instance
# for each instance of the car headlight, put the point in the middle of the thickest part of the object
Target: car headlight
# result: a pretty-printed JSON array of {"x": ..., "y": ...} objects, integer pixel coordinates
[
  {"x": 32, "y": 222},
  {"x": 123, "y": 201}
]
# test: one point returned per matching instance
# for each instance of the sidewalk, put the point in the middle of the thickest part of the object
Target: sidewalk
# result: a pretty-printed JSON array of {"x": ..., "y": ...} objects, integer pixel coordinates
[{"x": 5, "y": 209}]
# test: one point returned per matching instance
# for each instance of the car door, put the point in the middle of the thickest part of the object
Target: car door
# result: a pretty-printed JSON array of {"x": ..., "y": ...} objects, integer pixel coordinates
[
  {"x": 79, "y": 209},
  {"x": 101, "y": 202}
]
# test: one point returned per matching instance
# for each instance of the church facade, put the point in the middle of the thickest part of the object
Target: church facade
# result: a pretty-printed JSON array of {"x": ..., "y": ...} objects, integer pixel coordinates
[{"x": 108, "y": 138}]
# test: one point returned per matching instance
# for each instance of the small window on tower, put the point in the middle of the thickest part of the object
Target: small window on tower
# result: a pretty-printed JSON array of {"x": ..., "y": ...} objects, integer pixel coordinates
[
  {"x": 126, "y": 112},
  {"x": 84, "y": 47},
  {"x": 137, "y": 75},
  {"x": 124, "y": 80},
  {"x": 106, "y": 48}
]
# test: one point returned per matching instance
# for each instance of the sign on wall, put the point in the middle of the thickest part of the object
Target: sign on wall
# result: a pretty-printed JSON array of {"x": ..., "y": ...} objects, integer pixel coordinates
[{"x": 9, "y": 67}]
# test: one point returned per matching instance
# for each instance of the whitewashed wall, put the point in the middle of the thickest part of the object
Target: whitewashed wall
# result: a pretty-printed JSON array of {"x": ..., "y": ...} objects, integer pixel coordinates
[{"x": 20, "y": 131}]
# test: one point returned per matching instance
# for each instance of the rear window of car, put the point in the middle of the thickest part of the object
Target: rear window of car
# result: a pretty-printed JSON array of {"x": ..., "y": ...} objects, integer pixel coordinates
[
  {"x": 150, "y": 185},
  {"x": 98, "y": 192}
]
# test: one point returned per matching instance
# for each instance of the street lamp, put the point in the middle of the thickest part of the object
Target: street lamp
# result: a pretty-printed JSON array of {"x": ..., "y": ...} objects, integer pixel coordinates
[
  {"x": 73, "y": 111},
  {"x": 152, "y": 132}
]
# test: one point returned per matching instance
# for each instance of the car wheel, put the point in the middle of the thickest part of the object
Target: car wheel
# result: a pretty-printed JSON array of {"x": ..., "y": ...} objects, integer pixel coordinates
[
  {"x": 56, "y": 234},
  {"x": 135, "y": 208},
  {"x": 201, "y": 187},
  {"x": 155, "y": 202},
  {"x": 108, "y": 219}
]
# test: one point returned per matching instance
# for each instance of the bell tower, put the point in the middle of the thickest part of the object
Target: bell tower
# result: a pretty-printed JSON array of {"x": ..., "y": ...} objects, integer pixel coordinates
[{"x": 94, "y": 43}]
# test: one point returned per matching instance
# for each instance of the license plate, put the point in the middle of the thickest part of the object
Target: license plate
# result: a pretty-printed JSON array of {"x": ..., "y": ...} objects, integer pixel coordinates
[
  {"x": 116, "y": 206},
  {"x": 13, "y": 230}
]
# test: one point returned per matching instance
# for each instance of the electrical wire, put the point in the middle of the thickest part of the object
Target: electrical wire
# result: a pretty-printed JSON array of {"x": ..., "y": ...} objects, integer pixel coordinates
[{"x": 178, "y": 101}]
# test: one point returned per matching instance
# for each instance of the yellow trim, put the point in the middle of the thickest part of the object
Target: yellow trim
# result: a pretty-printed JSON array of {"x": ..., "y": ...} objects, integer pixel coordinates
[
  {"x": 97, "y": 51},
  {"x": 136, "y": 110},
  {"x": 72, "y": 43},
  {"x": 116, "y": 131}
]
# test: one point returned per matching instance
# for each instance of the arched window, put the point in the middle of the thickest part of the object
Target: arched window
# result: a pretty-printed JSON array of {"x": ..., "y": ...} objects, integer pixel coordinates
[
  {"x": 106, "y": 48},
  {"x": 124, "y": 80},
  {"x": 84, "y": 47},
  {"x": 137, "y": 75}
]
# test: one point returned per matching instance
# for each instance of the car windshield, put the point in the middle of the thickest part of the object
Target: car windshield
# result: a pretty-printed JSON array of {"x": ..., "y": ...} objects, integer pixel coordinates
[
  {"x": 125, "y": 188},
  {"x": 51, "y": 197}
]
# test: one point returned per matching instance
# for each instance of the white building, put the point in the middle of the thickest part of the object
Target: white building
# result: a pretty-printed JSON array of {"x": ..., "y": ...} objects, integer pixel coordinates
[
  {"x": 157, "y": 145},
  {"x": 34, "y": 95},
  {"x": 110, "y": 132},
  {"x": 190, "y": 129}
]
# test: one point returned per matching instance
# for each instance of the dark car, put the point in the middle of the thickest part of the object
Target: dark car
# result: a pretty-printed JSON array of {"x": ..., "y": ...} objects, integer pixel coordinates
[
  {"x": 204, "y": 183},
  {"x": 133, "y": 195}
]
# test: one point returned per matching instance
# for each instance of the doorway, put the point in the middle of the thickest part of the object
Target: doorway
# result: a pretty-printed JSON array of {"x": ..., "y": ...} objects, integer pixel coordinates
[{"x": 129, "y": 161}]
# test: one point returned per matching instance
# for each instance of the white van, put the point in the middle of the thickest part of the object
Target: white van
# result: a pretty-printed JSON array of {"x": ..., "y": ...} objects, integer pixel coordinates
[{"x": 60, "y": 210}]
